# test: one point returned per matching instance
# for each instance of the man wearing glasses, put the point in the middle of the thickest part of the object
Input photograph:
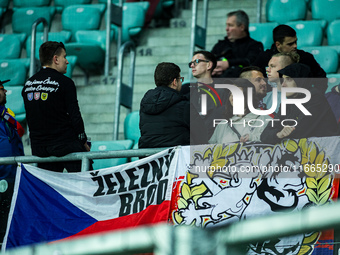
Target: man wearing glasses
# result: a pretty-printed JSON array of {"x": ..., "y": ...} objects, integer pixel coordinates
[
  {"x": 52, "y": 110},
  {"x": 164, "y": 111},
  {"x": 202, "y": 65}
]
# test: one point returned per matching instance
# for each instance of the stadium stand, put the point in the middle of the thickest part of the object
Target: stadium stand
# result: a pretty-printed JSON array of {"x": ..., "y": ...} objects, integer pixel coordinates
[
  {"x": 62, "y": 4},
  {"x": 131, "y": 127},
  {"x": 23, "y": 18},
  {"x": 310, "y": 33},
  {"x": 14, "y": 70},
  {"x": 333, "y": 36},
  {"x": 110, "y": 146},
  {"x": 30, "y": 3},
  {"x": 10, "y": 46},
  {"x": 326, "y": 56},
  {"x": 62, "y": 36},
  {"x": 15, "y": 102},
  {"x": 81, "y": 17},
  {"x": 287, "y": 10},
  {"x": 325, "y": 10},
  {"x": 70, "y": 67},
  {"x": 133, "y": 20},
  {"x": 263, "y": 32}
]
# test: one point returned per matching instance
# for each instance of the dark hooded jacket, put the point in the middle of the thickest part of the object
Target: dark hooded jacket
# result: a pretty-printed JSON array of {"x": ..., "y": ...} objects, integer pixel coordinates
[
  {"x": 164, "y": 119},
  {"x": 320, "y": 123}
]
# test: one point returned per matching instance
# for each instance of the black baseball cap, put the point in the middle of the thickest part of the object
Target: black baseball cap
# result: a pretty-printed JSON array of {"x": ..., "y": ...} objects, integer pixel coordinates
[{"x": 2, "y": 83}]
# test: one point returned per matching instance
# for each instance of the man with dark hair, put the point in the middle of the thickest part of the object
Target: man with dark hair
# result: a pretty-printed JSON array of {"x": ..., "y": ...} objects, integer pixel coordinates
[
  {"x": 52, "y": 110},
  {"x": 202, "y": 65},
  {"x": 237, "y": 50},
  {"x": 164, "y": 111},
  {"x": 255, "y": 76},
  {"x": 285, "y": 41}
]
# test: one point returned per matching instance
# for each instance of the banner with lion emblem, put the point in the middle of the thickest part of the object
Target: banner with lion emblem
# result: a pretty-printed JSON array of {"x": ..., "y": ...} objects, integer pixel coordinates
[{"x": 220, "y": 184}]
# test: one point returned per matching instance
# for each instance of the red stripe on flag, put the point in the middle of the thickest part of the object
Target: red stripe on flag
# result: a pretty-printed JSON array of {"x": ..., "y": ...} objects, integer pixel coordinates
[{"x": 152, "y": 214}]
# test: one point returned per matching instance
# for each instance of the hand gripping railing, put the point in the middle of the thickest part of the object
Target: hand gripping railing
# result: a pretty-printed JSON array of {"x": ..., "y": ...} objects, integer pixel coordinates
[
  {"x": 33, "y": 40},
  {"x": 123, "y": 92}
]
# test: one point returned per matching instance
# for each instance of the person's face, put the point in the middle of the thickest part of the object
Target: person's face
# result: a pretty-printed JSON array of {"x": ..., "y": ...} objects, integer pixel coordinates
[
  {"x": 199, "y": 69},
  {"x": 3, "y": 96},
  {"x": 62, "y": 62},
  {"x": 257, "y": 79},
  {"x": 273, "y": 66},
  {"x": 288, "y": 82},
  {"x": 234, "y": 32},
  {"x": 289, "y": 44}
]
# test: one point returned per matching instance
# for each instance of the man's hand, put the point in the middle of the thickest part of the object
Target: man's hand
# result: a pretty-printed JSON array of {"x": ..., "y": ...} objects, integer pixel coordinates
[
  {"x": 220, "y": 67},
  {"x": 244, "y": 138},
  {"x": 286, "y": 131}
]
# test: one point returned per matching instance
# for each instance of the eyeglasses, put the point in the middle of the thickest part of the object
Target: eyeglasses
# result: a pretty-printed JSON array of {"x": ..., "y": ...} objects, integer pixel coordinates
[
  {"x": 196, "y": 61},
  {"x": 181, "y": 79}
]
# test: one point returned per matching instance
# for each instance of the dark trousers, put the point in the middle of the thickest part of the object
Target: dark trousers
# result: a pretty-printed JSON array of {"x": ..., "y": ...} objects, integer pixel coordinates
[
  {"x": 5, "y": 205},
  {"x": 59, "y": 151}
]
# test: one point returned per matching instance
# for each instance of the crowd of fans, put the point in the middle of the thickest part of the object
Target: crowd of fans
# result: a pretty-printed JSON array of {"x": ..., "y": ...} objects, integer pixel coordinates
[{"x": 281, "y": 91}]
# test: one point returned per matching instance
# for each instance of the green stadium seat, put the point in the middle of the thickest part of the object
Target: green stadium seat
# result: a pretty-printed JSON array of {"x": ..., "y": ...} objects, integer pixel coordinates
[
  {"x": 70, "y": 67},
  {"x": 97, "y": 37},
  {"x": 333, "y": 80},
  {"x": 30, "y": 3},
  {"x": 161, "y": 9},
  {"x": 23, "y": 18},
  {"x": 131, "y": 127},
  {"x": 109, "y": 146},
  {"x": 326, "y": 56},
  {"x": 62, "y": 36},
  {"x": 309, "y": 33},
  {"x": 133, "y": 20},
  {"x": 82, "y": 17},
  {"x": 10, "y": 46},
  {"x": 333, "y": 36},
  {"x": 14, "y": 70},
  {"x": 282, "y": 11},
  {"x": 62, "y": 4},
  {"x": 263, "y": 32},
  {"x": 326, "y": 10},
  {"x": 90, "y": 57},
  {"x": 15, "y": 102},
  {"x": 4, "y": 4}
]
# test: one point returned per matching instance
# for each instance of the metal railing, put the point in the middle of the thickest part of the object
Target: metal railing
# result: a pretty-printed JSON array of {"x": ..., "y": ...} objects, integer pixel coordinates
[
  {"x": 33, "y": 42},
  {"x": 114, "y": 16},
  {"x": 83, "y": 156},
  {"x": 198, "y": 33},
  {"x": 124, "y": 92},
  {"x": 163, "y": 239}
]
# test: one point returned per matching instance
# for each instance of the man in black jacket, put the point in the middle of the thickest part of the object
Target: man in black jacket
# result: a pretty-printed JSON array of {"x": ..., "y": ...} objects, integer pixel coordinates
[
  {"x": 285, "y": 40},
  {"x": 320, "y": 123},
  {"x": 237, "y": 50},
  {"x": 55, "y": 123},
  {"x": 165, "y": 112}
]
